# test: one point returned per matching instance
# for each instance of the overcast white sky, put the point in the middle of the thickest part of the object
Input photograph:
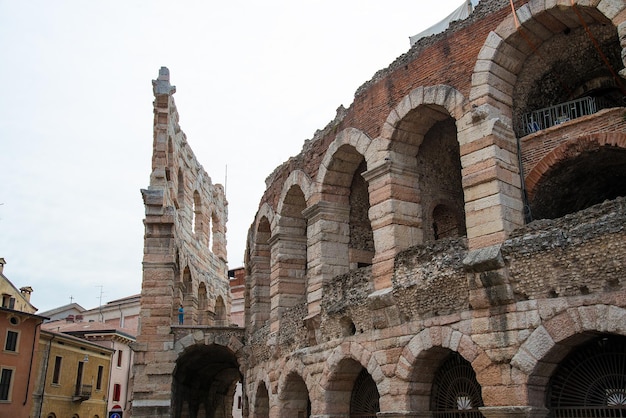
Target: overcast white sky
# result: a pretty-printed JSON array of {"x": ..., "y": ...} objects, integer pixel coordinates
[{"x": 254, "y": 80}]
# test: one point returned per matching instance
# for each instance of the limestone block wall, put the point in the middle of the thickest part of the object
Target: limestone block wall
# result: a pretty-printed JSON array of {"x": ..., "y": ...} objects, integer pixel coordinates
[
  {"x": 431, "y": 147},
  {"x": 184, "y": 261}
]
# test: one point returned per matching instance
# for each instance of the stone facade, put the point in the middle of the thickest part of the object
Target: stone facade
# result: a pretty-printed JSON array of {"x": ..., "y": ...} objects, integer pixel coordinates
[
  {"x": 423, "y": 256},
  {"x": 184, "y": 268},
  {"x": 423, "y": 232}
]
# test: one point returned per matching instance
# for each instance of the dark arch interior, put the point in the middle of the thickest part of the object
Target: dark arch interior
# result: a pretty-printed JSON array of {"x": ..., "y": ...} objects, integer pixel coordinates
[
  {"x": 204, "y": 382},
  {"x": 591, "y": 380},
  {"x": 582, "y": 181}
]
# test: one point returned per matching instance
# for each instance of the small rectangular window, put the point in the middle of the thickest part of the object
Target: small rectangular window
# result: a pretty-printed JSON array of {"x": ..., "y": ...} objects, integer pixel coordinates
[
  {"x": 11, "y": 342},
  {"x": 117, "y": 391},
  {"x": 119, "y": 358},
  {"x": 99, "y": 378},
  {"x": 5, "y": 384},
  {"x": 56, "y": 374}
]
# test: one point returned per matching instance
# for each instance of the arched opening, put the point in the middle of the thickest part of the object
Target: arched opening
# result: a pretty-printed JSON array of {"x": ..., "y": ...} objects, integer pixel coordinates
[
  {"x": 295, "y": 398},
  {"x": 197, "y": 221},
  {"x": 456, "y": 392},
  {"x": 439, "y": 179},
  {"x": 220, "y": 312},
  {"x": 569, "y": 75},
  {"x": 290, "y": 255},
  {"x": 352, "y": 391},
  {"x": 204, "y": 382},
  {"x": 261, "y": 402},
  {"x": 364, "y": 399},
  {"x": 203, "y": 305},
  {"x": 587, "y": 174},
  {"x": 181, "y": 189},
  {"x": 259, "y": 293},
  {"x": 189, "y": 299},
  {"x": 361, "y": 246},
  {"x": 591, "y": 380}
]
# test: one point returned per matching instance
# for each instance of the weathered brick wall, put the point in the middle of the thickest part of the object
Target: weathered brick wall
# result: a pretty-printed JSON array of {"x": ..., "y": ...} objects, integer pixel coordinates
[
  {"x": 538, "y": 145},
  {"x": 582, "y": 253},
  {"x": 430, "y": 279},
  {"x": 443, "y": 59}
]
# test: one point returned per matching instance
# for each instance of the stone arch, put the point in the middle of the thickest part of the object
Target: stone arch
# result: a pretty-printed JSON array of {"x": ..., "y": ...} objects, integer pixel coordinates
[
  {"x": 343, "y": 366},
  {"x": 599, "y": 155},
  {"x": 204, "y": 377},
  {"x": 293, "y": 399},
  {"x": 506, "y": 49},
  {"x": 341, "y": 182},
  {"x": 295, "y": 366},
  {"x": 190, "y": 298},
  {"x": 548, "y": 344},
  {"x": 261, "y": 403},
  {"x": 447, "y": 98},
  {"x": 289, "y": 251},
  {"x": 203, "y": 305},
  {"x": 327, "y": 175},
  {"x": 296, "y": 178},
  {"x": 341, "y": 370},
  {"x": 421, "y": 357},
  {"x": 220, "y": 312}
]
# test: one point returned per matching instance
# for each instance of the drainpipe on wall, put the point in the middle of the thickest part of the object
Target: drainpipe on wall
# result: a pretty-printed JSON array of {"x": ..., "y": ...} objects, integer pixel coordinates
[
  {"x": 45, "y": 376},
  {"x": 528, "y": 216},
  {"x": 30, "y": 367}
]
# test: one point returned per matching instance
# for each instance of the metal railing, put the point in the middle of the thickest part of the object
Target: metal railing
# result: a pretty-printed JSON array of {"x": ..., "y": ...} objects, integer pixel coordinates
[
  {"x": 589, "y": 412},
  {"x": 83, "y": 392},
  {"x": 555, "y": 115}
]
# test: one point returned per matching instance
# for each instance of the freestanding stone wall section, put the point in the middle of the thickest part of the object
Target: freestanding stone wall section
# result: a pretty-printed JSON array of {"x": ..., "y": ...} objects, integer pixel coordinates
[{"x": 184, "y": 264}]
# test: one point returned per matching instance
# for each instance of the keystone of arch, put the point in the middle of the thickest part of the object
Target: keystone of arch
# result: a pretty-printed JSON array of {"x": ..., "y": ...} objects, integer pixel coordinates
[
  {"x": 570, "y": 322},
  {"x": 360, "y": 354}
]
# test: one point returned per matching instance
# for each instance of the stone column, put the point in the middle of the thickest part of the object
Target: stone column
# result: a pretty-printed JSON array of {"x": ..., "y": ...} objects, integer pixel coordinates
[
  {"x": 328, "y": 232},
  {"x": 288, "y": 268},
  {"x": 491, "y": 179},
  {"x": 395, "y": 215}
]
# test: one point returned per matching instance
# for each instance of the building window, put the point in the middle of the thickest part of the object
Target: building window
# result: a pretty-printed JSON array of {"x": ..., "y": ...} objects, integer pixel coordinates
[
  {"x": 119, "y": 358},
  {"x": 99, "y": 379},
  {"x": 5, "y": 384},
  {"x": 8, "y": 301},
  {"x": 11, "y": 342},
  {"x": 57, "y": 370},
  {"x": 117, "y": 391}
]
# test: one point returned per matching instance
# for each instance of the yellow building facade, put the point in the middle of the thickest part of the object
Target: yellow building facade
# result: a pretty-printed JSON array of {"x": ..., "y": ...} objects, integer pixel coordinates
[{"x": 73, "y": 377}]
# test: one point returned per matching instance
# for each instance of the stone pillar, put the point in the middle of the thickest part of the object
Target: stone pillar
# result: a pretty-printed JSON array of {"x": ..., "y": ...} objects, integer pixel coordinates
[
  {"x": 395, "y": 215},
  {"x": 288, "y": 268},
  {"x": 491, "y": 179},
  {"x": 152, "y": 387},
  {"x": 328, "y": 232}
]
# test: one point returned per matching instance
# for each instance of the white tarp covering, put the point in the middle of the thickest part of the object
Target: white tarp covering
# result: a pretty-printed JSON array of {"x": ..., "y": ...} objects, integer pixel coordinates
[{"x": 462, "y": 12}]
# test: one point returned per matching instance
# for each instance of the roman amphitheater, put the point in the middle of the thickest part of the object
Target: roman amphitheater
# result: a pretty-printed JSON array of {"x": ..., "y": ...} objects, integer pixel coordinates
[{"x": 451, "y": 245}]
